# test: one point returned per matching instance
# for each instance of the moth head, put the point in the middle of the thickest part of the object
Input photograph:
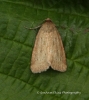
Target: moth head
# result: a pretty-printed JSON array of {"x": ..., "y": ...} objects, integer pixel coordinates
[{"x": 48, "y": 19}]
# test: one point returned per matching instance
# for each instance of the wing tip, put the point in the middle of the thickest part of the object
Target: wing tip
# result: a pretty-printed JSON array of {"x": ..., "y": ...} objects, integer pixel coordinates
[
  {"x": 61, "y": 68},
  {"x": 39, "y": 68}
]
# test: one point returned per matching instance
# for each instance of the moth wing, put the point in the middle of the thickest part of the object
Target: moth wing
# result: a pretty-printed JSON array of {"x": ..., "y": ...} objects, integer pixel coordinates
[
  {"x": 48, "y": 50},
  {"x": 58, "y": 59},
  {"x": 39, "y": 55}
]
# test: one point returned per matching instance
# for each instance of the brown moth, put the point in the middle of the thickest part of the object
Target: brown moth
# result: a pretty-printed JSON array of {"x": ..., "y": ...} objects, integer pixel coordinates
[{"x": 48, "y": 50}]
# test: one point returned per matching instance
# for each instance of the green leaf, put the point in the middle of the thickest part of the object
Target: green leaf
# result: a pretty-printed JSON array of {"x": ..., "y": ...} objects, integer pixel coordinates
[{"x": 17, "y": 82}]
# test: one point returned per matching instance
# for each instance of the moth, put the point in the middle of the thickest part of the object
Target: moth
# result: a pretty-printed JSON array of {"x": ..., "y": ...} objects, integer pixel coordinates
[{"x": 48, "y": 49}]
